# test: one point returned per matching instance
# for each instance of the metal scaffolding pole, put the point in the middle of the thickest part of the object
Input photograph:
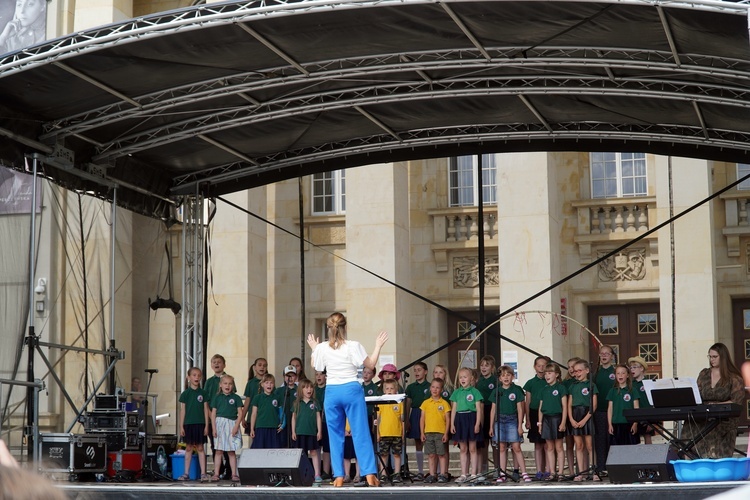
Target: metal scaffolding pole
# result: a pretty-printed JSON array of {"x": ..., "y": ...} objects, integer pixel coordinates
[{"x": 193, "y": 241}]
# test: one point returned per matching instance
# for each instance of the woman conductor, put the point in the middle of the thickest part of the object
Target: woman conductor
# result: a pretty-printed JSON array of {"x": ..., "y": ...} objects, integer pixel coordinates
[{"x": 344, "y": 397}]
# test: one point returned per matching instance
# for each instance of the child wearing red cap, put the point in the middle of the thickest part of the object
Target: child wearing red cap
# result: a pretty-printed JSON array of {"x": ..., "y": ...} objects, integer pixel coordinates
[{"x": 389, "y": 372}]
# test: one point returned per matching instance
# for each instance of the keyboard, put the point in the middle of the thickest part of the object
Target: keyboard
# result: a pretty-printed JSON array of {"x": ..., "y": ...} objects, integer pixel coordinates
[{"x": 697, "y": 412}]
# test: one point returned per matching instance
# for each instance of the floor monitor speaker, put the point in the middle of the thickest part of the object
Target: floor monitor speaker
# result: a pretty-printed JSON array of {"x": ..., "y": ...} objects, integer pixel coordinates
[
  {"x": 641, "y": 463},
  {"x": 275, "y": 467}
]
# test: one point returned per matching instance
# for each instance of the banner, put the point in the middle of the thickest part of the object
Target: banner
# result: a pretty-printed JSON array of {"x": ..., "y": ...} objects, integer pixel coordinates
[{"x": 22, "y": 23}]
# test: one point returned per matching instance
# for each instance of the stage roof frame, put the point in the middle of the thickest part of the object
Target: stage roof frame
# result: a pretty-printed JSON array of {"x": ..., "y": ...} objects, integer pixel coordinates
[{"x": 224, "y": 97}]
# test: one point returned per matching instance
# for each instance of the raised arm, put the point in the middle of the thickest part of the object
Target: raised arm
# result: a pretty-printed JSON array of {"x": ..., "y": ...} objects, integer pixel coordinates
[
  {"x": 313, "y": 342},
  {"x": 371, "y": 361}
]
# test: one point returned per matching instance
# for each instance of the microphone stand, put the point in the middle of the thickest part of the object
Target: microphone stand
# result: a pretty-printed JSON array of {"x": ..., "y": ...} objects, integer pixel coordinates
[
  {"x": 287, "y": 429},
  {"x": 404, "y": 472},
  {"x": 148, "y": 473}
]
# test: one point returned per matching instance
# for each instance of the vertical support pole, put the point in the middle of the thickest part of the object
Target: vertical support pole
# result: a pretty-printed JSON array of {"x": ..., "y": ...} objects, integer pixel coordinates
[
  {"x": 31, "y": 340},
  {"x": 480, "y": 250},
  {"x": 35, "y": 452},
  {"x": 303, "y": 305},
  {"x": 112, "y": 288},
  {"x": 191, "y": 343},
  {"x": 182, "y": 369}
]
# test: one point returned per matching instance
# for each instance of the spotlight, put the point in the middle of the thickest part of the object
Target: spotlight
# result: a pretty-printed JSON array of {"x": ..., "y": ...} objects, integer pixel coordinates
[{"x": 160, "y": 303}]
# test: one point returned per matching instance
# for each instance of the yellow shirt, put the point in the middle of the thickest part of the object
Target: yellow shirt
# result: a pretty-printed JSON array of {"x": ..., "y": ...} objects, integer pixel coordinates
[
  {"x": 434, "y": 415},
  {"x": 390, "y": 419}
]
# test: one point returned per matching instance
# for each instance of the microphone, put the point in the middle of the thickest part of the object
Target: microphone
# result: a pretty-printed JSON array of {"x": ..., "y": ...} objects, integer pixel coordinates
[{"x": 151, "y": 370}]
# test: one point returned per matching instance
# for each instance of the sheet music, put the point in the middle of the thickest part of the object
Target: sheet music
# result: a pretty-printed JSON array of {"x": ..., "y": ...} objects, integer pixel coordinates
[
  {"x": 385, "y": 398},
  {"x": 670, "y": 383}
]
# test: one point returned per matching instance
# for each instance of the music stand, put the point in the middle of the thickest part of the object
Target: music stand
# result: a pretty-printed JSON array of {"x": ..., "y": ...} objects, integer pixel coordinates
[{"x": 147, "y": 473}]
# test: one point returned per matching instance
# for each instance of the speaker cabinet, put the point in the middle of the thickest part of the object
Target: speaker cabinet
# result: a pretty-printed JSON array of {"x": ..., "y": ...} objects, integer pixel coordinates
[
  {"x": 641, "y": 463},
  {"x": 275, "y": 467}
]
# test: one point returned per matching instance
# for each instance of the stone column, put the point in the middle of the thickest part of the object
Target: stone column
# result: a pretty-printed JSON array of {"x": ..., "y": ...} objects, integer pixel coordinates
[
  {"x": 237, "y": 295},
  {"x": 529, "y": 218},
  {"x": 695, "y": 299},
  {"x": 284, "y": 296},
  {"x": 377, "y": 238}
]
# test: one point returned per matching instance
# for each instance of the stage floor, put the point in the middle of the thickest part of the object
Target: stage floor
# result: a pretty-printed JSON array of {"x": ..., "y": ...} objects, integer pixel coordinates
[{"x": 416, "y": 491}]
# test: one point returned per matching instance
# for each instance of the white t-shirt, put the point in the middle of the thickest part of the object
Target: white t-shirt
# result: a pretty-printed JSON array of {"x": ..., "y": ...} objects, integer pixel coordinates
[{"x": 340, "y": 364}]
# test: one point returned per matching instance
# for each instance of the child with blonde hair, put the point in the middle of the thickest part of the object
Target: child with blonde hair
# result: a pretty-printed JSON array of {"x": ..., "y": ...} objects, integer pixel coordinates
[
  {"x": 307, "y": 424},
  {"x": 622, "y": 397},
  {"x": 581, "y": 407},
  {"x": 390, "y": 429},
  {"x": 434, "y": 424},
  {"x": 507, "y": 404},
  {"x": 266, "y": 420},
  {"x": 194, "y": 417},
  {"x": 466, "y": 423},
  {"x": 553, "y": 417},
  {"x": 226, "y": 416}
]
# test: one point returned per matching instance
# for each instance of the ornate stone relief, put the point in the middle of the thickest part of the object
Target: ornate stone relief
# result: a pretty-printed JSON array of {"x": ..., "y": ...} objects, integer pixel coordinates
[
  {"x": 466, "y": 272},
  {"x": 628, "y": 265}
]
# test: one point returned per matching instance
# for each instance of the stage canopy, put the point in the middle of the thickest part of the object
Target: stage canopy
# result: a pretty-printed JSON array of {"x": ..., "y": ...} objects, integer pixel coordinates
[{"x": 224, "y": 97}]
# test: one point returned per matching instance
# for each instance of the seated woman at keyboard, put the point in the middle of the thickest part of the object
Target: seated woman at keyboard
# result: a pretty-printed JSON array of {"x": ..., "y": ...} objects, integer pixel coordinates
[{"x": 721, "y": 382}]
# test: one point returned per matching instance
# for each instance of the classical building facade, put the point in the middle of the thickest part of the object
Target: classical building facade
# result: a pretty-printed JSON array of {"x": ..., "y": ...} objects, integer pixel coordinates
[{"x": 396, "y": 247}]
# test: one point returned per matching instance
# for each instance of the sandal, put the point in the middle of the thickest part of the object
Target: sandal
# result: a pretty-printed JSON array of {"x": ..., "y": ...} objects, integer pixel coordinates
[
  {"x": 235, "y": 478},
  {"x": 595, "y": 477},
  {"x": 462, "y": 479},
  {"x": 578, "y": 479},
  {"x": 526, "y": 478},
  {"x": 215, "y": 478},
  {"x": 551, "y": 477},
  {"x": 204, "y": 478},
  {"x": 184, "y": 477}
]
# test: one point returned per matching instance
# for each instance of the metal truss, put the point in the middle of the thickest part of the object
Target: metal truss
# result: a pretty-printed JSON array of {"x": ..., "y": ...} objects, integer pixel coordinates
[
  {"x": 431, "y": 138},
  {"x": 570, "y": 59},
  {"x": 193, "y": 241},
  {"x": 387, "y": 93},
  {"x": 241, "y": 12},
  {"x": 372, "y": 85}
]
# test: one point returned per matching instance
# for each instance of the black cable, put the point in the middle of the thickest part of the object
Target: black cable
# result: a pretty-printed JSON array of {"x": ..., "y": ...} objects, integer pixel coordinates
[{"x": 519, "y": 304}]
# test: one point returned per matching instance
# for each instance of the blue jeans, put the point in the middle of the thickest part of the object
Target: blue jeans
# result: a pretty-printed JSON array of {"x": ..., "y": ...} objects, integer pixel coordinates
[{"x": 342, "y": 402}]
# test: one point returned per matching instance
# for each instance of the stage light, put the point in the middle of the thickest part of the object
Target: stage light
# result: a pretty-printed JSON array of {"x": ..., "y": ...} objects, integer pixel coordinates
[{"x": 160, "y": 303}]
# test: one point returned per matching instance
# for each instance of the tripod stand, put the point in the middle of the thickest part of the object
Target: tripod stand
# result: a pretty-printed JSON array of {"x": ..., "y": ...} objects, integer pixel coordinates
[{"x": 147, "y": 473}]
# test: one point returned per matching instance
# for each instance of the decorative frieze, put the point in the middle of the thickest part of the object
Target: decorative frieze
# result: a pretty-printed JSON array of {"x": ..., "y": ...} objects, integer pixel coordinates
[
  {"x": 628, "y": 265},
  {"x": 466, "y": 272}
]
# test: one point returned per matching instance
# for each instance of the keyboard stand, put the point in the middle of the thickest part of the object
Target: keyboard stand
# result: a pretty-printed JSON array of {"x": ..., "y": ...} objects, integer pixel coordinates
[{"x": 685, "y": 447}]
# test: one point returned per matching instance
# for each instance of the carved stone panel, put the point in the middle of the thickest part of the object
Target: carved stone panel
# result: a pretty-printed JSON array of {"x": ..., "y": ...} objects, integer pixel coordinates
[
  {"x": 628, "y": 265},
  {"x": 466, "y": 272}
]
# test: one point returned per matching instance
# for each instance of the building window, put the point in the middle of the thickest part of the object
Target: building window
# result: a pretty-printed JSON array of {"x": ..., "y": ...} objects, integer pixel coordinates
[
  {"x": 329, "y": 193},
  {"x": 618, "y": 175},
  {"x": 609, "y": 324},
  {"x": 462, "y": 180},
  {"x": 742, "y": 170},
  {"x": 649, "y": 352},
  {"x": 463, "y": 327},
  {"x": 647, "y": 323}
]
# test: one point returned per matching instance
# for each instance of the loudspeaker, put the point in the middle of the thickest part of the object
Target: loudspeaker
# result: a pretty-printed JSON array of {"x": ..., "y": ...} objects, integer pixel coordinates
[
  {"x": 275, "y": 467},
  {"x": 641, "y": 463}
]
